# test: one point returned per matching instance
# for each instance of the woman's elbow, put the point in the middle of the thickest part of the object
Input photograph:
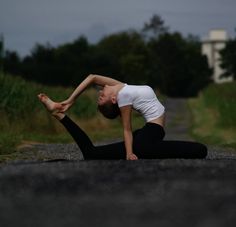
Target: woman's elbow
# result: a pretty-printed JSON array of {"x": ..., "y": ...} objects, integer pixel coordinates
[{"x": 92, "y": 77}]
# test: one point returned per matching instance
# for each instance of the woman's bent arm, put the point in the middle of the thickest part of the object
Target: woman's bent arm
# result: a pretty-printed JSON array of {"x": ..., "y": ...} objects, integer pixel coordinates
[
  {"x": 89, "y": 80},
  {"x": 92, "y": 79},
  {"x": 104, "y": 80}
]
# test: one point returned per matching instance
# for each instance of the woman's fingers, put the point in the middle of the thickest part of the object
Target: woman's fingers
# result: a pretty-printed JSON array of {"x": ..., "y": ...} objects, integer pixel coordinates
[{"x": 132, "y": 157}]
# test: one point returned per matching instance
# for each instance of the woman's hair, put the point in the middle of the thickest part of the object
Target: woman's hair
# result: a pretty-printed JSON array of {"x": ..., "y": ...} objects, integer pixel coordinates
[{"x": 109, "y": 110}]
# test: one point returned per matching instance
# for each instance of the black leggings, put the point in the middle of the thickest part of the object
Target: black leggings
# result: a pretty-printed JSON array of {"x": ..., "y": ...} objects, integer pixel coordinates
[{"x": 147, "y": 144}]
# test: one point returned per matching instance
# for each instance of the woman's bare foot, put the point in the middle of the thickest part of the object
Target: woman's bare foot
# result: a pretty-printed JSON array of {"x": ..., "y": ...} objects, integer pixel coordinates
[{"x": 51, "y": 106}]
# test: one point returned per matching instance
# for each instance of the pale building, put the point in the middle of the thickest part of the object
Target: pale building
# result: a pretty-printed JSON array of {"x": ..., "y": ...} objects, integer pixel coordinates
[{"x": 211, "y": 47}]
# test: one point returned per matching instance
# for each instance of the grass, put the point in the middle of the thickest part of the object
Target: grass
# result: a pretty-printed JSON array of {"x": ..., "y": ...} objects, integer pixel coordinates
[{"x": 214, "y": 115}]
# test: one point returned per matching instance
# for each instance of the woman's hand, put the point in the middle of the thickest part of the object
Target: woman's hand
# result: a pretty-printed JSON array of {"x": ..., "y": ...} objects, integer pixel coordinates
[
  {"x": 131, "y": 156},
  {"x": 65, "y": 105}
]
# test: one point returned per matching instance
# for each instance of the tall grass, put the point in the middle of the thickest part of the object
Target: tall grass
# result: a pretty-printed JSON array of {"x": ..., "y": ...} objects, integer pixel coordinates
[
  {"x": 18, "y": 98},
  {"x": 23, "y": 117},
  {"x": 222, "y": 98},
  {"x": 214, "y": 115}
]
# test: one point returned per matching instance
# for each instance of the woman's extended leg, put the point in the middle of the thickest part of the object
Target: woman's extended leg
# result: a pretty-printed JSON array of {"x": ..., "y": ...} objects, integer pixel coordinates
[{"x": 110, "y": 151}]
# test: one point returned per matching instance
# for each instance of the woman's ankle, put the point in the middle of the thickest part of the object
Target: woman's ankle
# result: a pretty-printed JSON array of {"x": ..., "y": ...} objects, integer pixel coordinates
[{"x": 58, "y": 116}]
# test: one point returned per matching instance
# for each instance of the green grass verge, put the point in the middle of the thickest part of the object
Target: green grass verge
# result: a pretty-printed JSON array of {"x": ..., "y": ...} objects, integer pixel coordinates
[{"x": 214, "y": 115}]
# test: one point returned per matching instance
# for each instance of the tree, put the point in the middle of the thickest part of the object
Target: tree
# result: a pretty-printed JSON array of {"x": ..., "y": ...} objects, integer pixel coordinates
[
  {"x": 178, "y": 68},
  {"x": 12, "y": 62},
  {"x": 126, "y": 56},
  {"x": 155, "y": 27},
  {"x": 39, "y": 65},
  {"x": 228, "y": 55},
  {"x": 72, "y": 59},
  {"x": 63, "y": 65}
]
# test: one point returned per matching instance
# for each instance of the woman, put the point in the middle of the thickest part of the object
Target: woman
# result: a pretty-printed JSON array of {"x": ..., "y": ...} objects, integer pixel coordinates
[{"x": 117, "y": 98}]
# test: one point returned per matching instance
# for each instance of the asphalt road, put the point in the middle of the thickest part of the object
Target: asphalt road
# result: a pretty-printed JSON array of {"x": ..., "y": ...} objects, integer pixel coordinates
[{"x": 173, "y": 192}]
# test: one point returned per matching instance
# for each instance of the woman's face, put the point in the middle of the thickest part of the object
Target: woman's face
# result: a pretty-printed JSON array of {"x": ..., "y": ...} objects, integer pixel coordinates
[{"x": 105, "y": 95}]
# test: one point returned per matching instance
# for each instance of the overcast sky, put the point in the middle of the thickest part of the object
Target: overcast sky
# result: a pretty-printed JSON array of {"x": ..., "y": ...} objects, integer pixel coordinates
[{"x": 25, "y": 22}]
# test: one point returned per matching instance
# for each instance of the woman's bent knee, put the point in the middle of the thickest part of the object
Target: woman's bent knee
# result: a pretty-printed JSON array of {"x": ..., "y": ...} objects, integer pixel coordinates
[{"x": 202, "y": 150}]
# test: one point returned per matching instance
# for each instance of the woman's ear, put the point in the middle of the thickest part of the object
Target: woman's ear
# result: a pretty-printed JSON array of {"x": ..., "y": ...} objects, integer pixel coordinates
[{"x": 113, "y": 99}]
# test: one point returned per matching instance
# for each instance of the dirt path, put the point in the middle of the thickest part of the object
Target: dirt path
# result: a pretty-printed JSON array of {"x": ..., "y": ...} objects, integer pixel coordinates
[{"x": 178, "y": 119}]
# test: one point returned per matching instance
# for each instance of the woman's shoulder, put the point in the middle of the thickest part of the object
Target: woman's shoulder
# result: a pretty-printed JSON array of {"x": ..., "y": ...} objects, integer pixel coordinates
[{"x": 125, "y": 95}]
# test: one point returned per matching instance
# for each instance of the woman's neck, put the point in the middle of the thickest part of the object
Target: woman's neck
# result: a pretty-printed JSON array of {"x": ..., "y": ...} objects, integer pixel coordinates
[{"x": 116, "y": 89}]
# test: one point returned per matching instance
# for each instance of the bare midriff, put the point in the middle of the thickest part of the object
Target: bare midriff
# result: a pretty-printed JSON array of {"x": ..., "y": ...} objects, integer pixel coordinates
[{"x": 160, "y": 120}]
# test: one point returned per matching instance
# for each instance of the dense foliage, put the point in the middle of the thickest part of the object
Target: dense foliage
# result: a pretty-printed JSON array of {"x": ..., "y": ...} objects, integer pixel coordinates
[
  {"x": 153, "y": 56},
  {"x": 228, "y": 55}
]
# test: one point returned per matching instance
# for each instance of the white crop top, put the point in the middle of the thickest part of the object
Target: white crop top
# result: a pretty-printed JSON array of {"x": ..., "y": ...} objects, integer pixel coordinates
[{"x": 143, "y": 99}]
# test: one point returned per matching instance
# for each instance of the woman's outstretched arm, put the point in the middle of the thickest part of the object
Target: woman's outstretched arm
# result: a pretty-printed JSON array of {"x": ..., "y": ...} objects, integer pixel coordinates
[{"x": 89, "y": 80}]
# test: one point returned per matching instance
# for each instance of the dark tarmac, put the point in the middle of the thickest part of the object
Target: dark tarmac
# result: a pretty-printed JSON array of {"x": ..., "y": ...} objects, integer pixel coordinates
[{"x": 60, "y": 189}]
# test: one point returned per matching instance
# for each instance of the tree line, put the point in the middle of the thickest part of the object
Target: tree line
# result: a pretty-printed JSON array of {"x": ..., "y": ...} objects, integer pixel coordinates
[{"x": 153, "y": 55}]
